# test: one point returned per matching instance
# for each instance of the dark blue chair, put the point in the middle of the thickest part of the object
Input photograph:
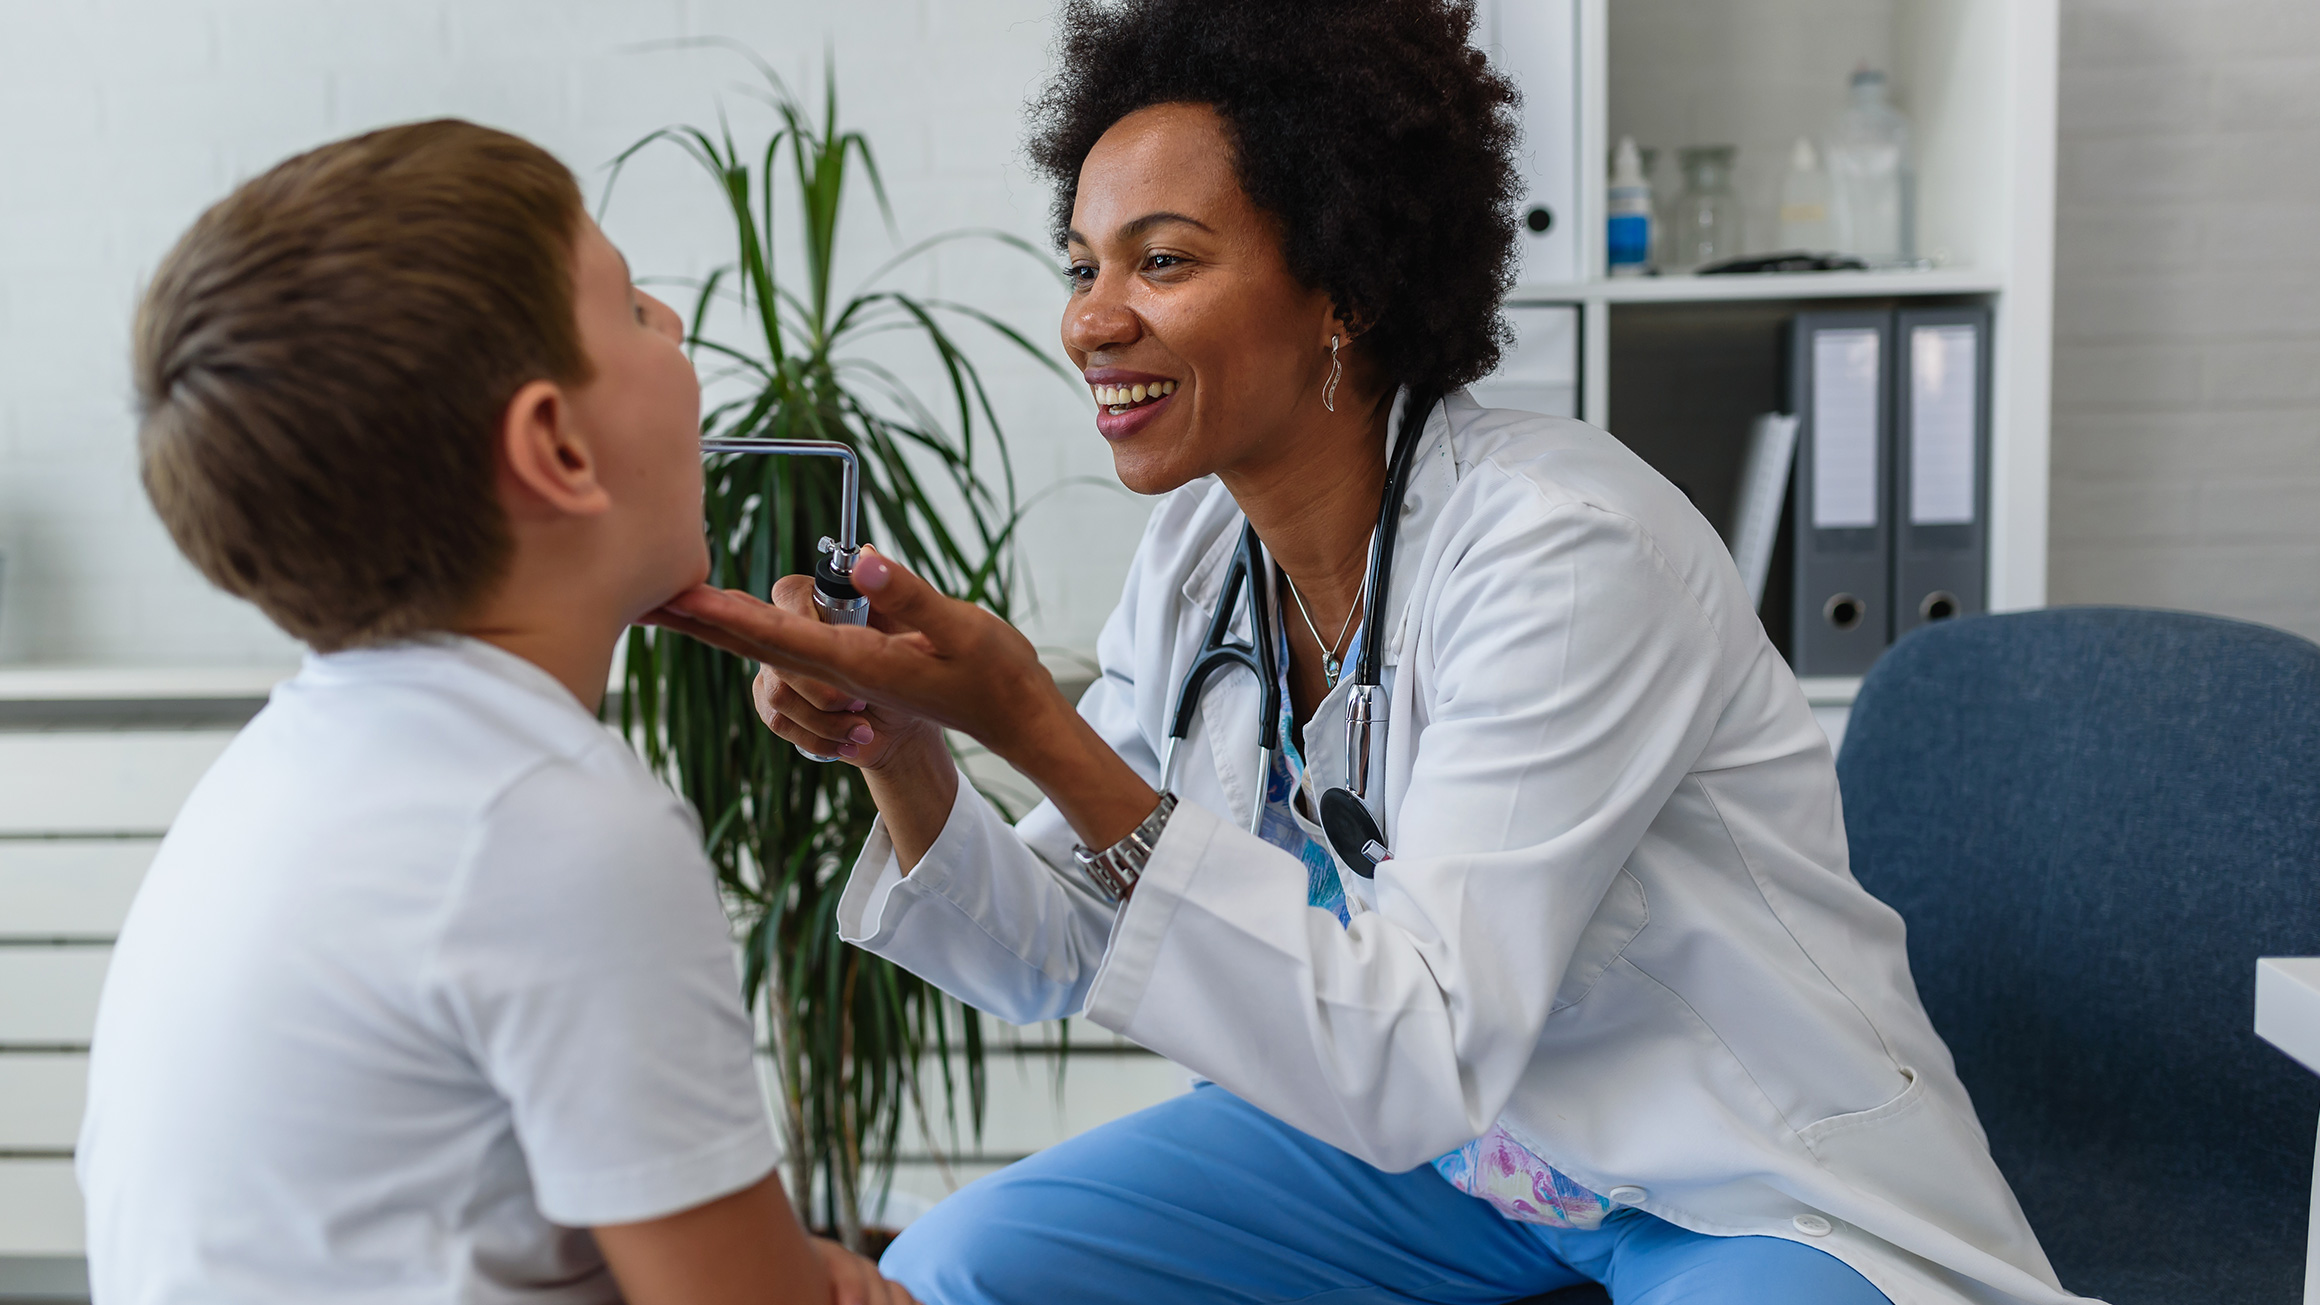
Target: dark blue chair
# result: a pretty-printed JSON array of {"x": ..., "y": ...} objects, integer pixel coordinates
[{"x": 2094, "y": 820}]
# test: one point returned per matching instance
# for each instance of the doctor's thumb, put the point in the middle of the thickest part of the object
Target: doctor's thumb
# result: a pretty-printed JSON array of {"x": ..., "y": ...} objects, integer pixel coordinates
[
  {"x": 873, "y": 574},
  {"x": 907, "y": 599},
  {"x": 892, "y": 590}
]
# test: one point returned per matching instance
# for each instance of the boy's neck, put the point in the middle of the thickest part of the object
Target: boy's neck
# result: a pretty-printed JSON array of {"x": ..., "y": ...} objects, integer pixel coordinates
[
  {"x": 581, "y": 665},
  {"x": 540, "y": 615}
]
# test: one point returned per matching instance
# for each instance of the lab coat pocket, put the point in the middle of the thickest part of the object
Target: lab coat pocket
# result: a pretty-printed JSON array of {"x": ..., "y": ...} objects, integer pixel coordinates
[
  {"x": 1622, "y": 915},
  {"x": 1826, "y": 1135},
  {"x": 1918, "y": 1154}
]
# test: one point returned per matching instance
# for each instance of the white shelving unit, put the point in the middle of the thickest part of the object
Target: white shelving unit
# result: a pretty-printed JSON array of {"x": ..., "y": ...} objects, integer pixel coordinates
[{"x": 1977, "y": 79}]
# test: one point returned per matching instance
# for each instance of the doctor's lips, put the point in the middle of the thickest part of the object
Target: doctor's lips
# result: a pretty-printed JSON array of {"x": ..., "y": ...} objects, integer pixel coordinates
[{"x": 1127, "y": 401}]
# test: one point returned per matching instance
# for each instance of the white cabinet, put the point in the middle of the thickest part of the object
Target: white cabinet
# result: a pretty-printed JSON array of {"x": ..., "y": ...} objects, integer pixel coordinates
[
  {"x": 81, "y": 811},
  {"x": 1540, "y": 373}
]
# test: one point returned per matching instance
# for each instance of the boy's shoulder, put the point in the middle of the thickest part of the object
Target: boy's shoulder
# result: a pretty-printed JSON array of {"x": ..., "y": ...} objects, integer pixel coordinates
[
  {"x": 408, "y": 754},
  {"x": 450, "y": 714}
]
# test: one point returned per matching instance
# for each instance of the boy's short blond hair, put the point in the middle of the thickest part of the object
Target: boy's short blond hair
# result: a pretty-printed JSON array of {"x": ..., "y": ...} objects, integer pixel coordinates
[{"x": 323, "y": 361}]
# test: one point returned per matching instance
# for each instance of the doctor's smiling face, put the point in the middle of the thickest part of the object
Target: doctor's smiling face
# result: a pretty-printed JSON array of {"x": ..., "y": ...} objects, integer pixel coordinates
[{"x": 1203, "y": 353}]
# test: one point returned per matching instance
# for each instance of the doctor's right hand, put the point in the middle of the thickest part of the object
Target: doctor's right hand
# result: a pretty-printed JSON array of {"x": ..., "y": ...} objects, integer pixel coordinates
[{"x": 827, "y": 722}]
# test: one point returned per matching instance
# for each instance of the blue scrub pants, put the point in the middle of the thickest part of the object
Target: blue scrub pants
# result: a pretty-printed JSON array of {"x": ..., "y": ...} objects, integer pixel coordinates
[{"x": 1206, "y": 1198}]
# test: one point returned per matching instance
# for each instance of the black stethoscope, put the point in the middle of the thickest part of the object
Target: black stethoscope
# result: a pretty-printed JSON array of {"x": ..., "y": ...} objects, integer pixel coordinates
[{"x": 1347, "y": 816}]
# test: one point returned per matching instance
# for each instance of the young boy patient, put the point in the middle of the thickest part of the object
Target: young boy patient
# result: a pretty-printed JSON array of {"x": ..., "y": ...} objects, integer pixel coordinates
[{"x": 428, "y": 995}]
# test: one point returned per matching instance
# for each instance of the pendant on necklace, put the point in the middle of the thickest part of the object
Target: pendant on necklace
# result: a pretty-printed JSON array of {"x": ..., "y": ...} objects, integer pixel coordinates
[{"x": 1330, "y": 666}]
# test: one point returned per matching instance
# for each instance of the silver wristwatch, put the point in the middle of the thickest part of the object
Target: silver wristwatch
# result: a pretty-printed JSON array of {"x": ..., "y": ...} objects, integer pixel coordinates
[{"x": 1115, "y": 870}]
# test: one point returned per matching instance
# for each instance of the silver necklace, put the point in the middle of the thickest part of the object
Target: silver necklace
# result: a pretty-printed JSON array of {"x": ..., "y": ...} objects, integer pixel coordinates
[{"x": 1331, "y": 665}]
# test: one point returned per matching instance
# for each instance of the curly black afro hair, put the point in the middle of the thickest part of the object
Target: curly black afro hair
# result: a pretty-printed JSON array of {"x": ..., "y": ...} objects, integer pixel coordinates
[{"x": 1378, "y": 136}]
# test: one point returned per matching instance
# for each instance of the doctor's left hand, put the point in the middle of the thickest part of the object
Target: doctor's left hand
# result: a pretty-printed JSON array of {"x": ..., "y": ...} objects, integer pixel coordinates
[
  {"x": 950, "y": 662},
  {"x": 947, "y": 661}
]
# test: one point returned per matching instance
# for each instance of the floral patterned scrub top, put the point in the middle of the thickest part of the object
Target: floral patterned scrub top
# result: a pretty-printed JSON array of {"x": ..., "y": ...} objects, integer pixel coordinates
[{"x": 1494, "y": 1167}]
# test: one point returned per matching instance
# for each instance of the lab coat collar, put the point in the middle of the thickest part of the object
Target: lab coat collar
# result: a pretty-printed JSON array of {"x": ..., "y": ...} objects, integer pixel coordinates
[
  {"x": 1206, "y": 578},
  {"x": 1433, "y": 474}
]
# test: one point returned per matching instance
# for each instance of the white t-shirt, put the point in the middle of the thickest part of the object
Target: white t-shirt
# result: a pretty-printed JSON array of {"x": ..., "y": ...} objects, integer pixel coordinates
[{"x": 429, "y": 977}]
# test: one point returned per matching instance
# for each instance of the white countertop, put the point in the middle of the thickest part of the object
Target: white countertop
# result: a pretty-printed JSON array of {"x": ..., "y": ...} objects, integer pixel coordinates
[
  {"x": 1830, "y": 690},
  {"x": 37, "y": 683}
]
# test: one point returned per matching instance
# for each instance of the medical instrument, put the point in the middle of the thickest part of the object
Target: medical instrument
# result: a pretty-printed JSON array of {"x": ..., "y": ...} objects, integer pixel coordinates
[
  {"x": 836, "y": 600},
  {"x": 1349, "y": 814},
  {"x": 835, "y": 597}
]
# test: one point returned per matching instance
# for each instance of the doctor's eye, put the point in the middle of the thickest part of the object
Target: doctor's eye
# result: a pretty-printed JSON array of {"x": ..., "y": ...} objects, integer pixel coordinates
[{"x": 1080, "y": 275}]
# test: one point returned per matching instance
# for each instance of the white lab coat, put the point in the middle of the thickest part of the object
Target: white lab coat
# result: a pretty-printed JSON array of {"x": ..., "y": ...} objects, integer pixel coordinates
[{"x": 1620, "y": 919}]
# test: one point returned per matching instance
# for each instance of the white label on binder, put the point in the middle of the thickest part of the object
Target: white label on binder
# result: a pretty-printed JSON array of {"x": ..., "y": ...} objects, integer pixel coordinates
[
  {"x": 1944, "y": 399},
  {"x": 1844, "y": 418}
]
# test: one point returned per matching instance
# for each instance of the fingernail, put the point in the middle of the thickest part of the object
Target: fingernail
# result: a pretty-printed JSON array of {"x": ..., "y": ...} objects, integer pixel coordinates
[
  {"x": 849, "y": 751},
  {"x": 861, "y": 734},
  {"x": 871, "y": 572},
  {"x": 857, "y": 705}
]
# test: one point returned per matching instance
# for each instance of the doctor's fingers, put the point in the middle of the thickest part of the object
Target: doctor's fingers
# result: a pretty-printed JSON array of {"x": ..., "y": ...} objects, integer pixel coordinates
[
  {"x": 856, "y": 1281},
  {"x": 799, "y": 646},
  {"x": 907, "y": 673},
  {"x": 803, "y": 689},
  {"x": 822, "y": 749},
  {"x": 847, "y": 724}
]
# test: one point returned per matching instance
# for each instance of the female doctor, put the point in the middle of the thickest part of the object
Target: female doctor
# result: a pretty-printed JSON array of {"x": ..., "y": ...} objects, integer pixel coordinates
[{"x": 1615, "y": 1009}]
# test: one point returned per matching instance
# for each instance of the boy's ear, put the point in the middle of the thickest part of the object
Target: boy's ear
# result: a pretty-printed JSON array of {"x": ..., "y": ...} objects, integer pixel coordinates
[{"x": 545, "y": 461}]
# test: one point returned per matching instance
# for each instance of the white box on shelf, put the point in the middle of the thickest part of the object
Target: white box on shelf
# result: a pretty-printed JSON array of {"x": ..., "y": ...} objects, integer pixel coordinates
[{"x": 1536, "y": 42}]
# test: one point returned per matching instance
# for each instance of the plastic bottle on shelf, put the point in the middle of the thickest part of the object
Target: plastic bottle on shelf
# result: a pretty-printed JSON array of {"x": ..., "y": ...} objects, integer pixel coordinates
[
  {"x": 1804, "y": 201},
  {"x": 1627, "y": 245},
  {"x": 1872, "y": 178},
  {"x": 1707, "y": 226}
]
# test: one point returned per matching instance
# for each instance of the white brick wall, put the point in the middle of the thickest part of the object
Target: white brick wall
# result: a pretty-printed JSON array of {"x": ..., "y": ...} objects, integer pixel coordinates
[
  {"x": 2187, "y": 309},
  {"x": 121, "y": 119}
]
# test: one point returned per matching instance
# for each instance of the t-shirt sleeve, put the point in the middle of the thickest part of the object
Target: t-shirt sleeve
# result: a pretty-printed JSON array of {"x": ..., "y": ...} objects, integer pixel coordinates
[{"x": 587, "y": 963}]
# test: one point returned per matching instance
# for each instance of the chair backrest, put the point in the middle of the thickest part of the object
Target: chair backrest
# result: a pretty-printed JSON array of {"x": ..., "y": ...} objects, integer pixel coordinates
[{"x": 2094, "y": 820}]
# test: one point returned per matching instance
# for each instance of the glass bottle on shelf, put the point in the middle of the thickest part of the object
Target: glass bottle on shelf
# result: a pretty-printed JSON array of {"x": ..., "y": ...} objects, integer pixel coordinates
[
  {"x": 1804, "y": 201},
  {"x": 1706, "y": 227},
  {"x": 1872, "y": 178},
  {"x": 1663, "y": 203}
]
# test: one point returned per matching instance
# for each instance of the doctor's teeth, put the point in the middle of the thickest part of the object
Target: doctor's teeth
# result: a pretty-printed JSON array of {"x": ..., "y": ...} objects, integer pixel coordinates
[{"x": 1123, "y": 396}]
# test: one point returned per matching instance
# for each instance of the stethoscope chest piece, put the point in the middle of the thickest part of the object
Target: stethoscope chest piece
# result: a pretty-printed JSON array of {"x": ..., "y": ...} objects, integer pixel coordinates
[{"x": 1353, "y": 832}]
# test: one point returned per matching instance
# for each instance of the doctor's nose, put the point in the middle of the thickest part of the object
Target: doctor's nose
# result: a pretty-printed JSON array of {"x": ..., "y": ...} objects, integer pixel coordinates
[{"x": 1099, "y": 318}]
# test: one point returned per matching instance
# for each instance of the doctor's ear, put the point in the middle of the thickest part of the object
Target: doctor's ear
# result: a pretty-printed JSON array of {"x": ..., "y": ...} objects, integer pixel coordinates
[
  {"x": 546, "y": 467},
  {"x": 1346, "y": 326}
]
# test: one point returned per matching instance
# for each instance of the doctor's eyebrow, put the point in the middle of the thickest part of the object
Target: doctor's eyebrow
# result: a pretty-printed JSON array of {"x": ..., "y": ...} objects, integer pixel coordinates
[{"x": 1135, "y": 227}]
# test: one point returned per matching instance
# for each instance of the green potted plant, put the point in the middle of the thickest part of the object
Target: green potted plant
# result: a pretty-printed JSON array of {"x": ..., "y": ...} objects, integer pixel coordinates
[{"x": 851, "y": 1035}]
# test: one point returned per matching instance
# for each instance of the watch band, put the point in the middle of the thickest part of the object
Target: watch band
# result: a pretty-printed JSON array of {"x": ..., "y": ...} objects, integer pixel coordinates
[{"x": 1115, "y": 870}]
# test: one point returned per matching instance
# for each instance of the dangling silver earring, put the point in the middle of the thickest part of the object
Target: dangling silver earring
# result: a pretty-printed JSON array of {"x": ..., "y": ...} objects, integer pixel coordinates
[{"x": 1336, "y": 369}]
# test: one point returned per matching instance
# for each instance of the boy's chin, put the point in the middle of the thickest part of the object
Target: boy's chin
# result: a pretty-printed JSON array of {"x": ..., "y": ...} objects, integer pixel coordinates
[{"x": 671, "y": 583}]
